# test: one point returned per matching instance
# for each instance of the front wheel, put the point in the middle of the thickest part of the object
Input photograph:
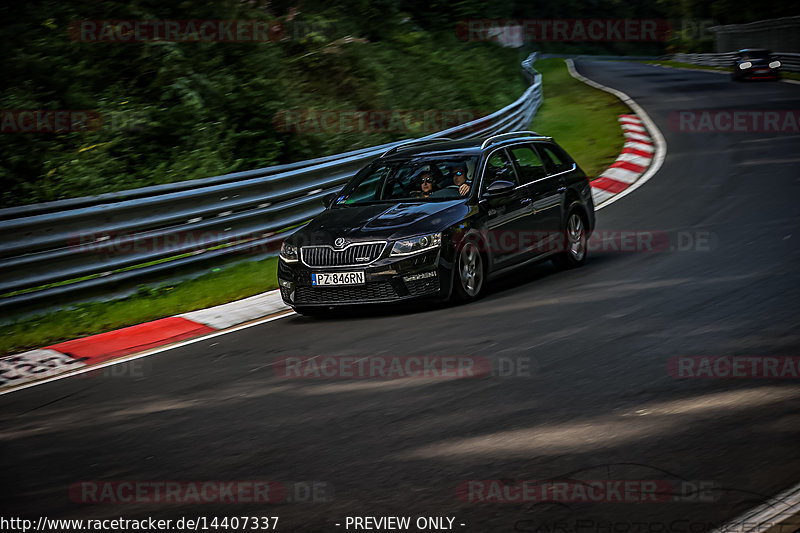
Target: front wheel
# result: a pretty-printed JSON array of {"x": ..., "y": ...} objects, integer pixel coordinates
[
  {"x": 469, "y": 273},
  {"x": 575, "y": 238}
]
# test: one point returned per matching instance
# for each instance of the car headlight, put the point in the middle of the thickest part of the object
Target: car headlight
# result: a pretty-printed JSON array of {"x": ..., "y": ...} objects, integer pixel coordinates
[
  {"x": 417, "y": 244},
  {"x": 288, "y": 252},
  {"x": 775, "y": 64},
  {"x": 746, "y": 65}
]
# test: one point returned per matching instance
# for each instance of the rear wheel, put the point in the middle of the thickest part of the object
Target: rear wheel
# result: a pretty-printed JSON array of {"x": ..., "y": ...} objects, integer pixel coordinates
[
  {"x": 469, "y": 273},
  {"x": 574, "y": 243}
]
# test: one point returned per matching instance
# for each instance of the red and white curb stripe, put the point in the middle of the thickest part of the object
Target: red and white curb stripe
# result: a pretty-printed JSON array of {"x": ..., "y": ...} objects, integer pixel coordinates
[
  {"x": 656, "y": 149},
  {"x": 637, "y": 154},
  {"x": 96, "y": 350}
]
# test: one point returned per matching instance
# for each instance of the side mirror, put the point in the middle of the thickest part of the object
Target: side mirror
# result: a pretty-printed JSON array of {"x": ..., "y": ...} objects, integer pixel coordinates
[
  {"x": 499, "y": 188},
  {"x": 329, "y": 198}
]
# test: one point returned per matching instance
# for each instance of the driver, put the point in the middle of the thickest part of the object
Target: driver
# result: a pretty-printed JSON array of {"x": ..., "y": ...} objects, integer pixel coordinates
[{"x": 459, "y": 176}]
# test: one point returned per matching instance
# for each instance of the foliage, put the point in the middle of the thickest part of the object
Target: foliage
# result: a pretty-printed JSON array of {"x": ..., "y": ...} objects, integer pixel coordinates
[{"x": 174, "y": 111}]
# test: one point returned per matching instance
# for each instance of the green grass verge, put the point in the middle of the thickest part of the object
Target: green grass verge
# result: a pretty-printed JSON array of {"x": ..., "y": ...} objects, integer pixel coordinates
[
  {"x": 786, "y": 75},
  {"x": 219, "y": 286},
  {"x": 580, "y": 118}
]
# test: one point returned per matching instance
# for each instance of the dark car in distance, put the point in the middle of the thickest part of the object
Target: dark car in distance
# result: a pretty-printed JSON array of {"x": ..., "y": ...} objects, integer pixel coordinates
[
  {"x": 436, "y": 219},
  {"x": 754, "y": 64}
]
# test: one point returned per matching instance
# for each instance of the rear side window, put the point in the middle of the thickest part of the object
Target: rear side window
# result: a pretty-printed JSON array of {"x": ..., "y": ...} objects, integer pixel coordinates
[
  {"x": 499, "y": 168},
  {"x": 529, "y": 163},
  {"x": 555, "y": 158}
]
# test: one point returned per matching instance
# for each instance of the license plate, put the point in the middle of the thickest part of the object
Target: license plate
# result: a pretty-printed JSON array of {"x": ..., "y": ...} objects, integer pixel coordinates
[
  {"x": 338, "y": 278},
  {"x": 762, "y": 70}
]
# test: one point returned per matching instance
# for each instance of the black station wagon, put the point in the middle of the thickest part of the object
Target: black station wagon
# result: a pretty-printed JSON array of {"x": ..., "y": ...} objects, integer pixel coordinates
[{"x": 437, "y": 219}]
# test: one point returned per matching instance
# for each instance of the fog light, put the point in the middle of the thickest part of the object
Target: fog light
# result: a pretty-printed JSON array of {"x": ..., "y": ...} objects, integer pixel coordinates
[{"x": 286, "y": 284}]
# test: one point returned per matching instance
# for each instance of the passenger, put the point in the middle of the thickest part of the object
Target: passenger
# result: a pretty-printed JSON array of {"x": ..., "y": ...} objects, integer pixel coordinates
[{"x": 459, "y": 177}]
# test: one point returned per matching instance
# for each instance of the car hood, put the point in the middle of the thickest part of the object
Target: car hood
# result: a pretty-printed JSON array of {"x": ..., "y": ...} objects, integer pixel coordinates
[{"x": 381, "y": 221}]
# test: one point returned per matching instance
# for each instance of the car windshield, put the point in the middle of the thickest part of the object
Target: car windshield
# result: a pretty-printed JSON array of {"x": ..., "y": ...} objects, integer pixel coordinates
[
  {"x": 423, "y": 179},
  {"x": 755, "y": 55}
]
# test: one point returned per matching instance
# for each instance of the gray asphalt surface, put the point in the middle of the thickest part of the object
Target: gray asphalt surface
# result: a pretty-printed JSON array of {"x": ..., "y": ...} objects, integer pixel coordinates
[{"x": 598, "y": 403}]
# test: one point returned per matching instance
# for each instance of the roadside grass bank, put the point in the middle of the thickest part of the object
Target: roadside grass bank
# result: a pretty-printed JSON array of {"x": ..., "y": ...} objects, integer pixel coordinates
[
  {"x": 580, "y": 118},
  {"x": 676, "y": 64},
  {"x": 221, "y": 285}
]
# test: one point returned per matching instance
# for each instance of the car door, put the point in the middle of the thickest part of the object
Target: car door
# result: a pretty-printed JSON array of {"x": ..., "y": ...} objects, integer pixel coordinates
[
  {"x": 507, "y": 215},
  {"x": 544, "y": 220},
  {"x": 560, "y": 173}
]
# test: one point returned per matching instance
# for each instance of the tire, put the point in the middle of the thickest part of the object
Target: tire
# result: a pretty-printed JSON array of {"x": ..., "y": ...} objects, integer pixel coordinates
[
  {"x": 575, "y": 241},
  {"x": 469, "y": 273}
]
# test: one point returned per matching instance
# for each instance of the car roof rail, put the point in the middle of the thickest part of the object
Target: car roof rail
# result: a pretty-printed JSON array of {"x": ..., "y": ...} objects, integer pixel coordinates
[
  {"x": 500, "y": 136},
  {"x": 417, "y": 141}
]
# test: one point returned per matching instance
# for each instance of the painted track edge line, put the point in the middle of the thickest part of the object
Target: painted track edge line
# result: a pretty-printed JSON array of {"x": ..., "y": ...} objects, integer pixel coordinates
[
  {"x": 767, "y": 515},
  {"x": 658, "y": 139}
]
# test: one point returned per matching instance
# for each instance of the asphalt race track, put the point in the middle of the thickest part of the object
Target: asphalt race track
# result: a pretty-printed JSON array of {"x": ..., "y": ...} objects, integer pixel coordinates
[{"x": 598, "y": 402}]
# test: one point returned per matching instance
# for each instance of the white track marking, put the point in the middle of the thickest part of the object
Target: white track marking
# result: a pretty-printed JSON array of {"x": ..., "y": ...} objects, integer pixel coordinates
[
  {"x": 639, "y": 146},
  {"x": 636, "y": 136},
  {"x": 635, "y": 159},
  {"x": 768, "y": 515},
  {"x": 35, "y": 365},
  {"x": 621, "y": 174},
  {"x": 600, "y": 195},
  {"x": 227, "y": 315},
  {"x": 628, "y": 126}
]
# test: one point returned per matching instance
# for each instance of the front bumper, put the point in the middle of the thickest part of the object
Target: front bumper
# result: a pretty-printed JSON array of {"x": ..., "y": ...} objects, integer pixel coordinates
[
  {"x": 391, "y": 279},
  {"x": 752, "y": 74}
]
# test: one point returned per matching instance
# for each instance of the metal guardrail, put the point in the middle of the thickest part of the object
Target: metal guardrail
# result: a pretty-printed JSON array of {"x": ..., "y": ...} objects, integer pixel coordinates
[
  {"x": 66, "y": 250},
  {"x": 789, "y": 61}
]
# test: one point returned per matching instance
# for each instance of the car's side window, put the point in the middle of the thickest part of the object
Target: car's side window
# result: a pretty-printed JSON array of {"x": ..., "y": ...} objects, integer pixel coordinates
[
  {"x": 555, "y": 159},
  {"x": 369, "y": 187},
  {"x": 529, "y": 163},
  {"x": 499, "y": 168}
]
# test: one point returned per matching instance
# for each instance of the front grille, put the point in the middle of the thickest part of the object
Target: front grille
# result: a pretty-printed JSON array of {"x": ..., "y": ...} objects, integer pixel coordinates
[
  {"x": 418, "y": 287},
  {"x": 381, "y": 290},
  {"x": 353, "y": 255}
]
